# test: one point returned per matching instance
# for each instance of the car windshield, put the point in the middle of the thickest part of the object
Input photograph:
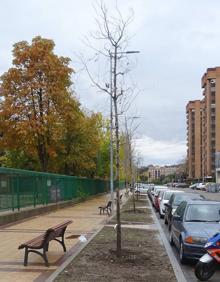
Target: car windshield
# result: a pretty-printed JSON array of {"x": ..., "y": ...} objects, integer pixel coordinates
[
  {"x": 167, "y": 195},
  {"x": 203, "y": 213},
  {"x": 157, "y": 192},
  {"x": 182, "y": 196}
]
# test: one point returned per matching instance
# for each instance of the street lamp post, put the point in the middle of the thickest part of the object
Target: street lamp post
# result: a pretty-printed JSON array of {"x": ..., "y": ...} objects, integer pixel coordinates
[{"x": 111, "y": 137}]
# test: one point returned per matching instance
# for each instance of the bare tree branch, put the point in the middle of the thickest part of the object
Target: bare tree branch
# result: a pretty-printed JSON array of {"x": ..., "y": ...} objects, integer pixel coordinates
[{"x": 105, "y": 89}]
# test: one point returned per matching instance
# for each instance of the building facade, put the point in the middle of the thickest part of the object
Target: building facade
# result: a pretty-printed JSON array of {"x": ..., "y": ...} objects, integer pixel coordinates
[
  {"x": 203, "y": 128},
  {"x": 194, "y": 138},
  {"x": 156, "y": 172}
]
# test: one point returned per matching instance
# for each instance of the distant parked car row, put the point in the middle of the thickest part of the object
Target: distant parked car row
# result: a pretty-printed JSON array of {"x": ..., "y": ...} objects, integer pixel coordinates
[
  {"x": 142, "y": 188},
  {"x": 191, "y": 219},
  {"x": 178, "y": 184}
]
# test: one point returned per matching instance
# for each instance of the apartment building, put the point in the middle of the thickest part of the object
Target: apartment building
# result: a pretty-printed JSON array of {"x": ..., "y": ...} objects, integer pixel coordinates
[
  {"x": 194, "y": 138},
  {"x": 155, "y": 172},
  {"x": 203, "y": 128},
  {"x": 211, "y": 93}
]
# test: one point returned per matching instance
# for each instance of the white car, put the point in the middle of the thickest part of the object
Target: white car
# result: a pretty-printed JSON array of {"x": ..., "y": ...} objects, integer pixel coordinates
[
  {"x": 201, "y": 186},
  {"x": 155, "y": 193},
  {"x": 165, "y": 199},
  {"x": 193, "y": 186}
]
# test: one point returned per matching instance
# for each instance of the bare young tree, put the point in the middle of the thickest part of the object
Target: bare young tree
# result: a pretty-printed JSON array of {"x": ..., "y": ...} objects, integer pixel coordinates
[{"x": 112, "y": 31}]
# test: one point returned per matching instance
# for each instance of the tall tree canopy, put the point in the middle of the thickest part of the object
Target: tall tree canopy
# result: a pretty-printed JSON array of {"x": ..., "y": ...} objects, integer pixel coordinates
[
  {"x": 42, "y": 124},
  {"x": 35, "y": 92}
]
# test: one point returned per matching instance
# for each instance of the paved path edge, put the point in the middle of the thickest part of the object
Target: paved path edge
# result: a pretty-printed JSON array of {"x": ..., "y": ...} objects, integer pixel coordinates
[{"x": 176, "y": 267}]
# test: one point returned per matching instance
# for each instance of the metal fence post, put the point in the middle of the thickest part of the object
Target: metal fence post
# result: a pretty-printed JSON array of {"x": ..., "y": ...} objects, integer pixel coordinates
[{"x": 18, "y": 195}]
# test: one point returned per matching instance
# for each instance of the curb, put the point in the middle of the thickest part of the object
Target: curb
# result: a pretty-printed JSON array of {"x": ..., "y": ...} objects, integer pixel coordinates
[{"x": 176, "y": 267}]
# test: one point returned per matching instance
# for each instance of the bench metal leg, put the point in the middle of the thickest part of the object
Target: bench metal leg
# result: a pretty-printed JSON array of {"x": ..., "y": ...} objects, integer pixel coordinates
[
  {"x": 44, "y": 256},
  {"x": 101, "y": 210},
  {"x": 47, "y": 247},
  {"x": 62, "y": 243},
  {"x": 26, "y": 257}
]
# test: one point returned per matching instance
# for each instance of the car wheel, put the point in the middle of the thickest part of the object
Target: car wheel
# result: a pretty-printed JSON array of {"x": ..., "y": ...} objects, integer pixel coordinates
[
  {"x": 205, "y": 271},
  {"x": 181, "y": 253},
  {"x": 171, "y": 238},
  {"x": 161, "y": 216}
]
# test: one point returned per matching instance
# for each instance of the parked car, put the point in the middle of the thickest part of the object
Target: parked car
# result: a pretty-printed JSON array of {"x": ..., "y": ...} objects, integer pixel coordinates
[
  {"x": 193, "y": 223},
  {"x": 157, "y": 197},
  {"x": 175, "y": 201},
  {"x": 155, "y": 193},
  {"x": 153, "y": 190},
  {"x": 193, "y": 186},
  {"x": 149, "y": 192},
  {"x": 160, "y": 196},
  {"x": 201, "y": 186},
  {"x": 141, "y": 188},
  {"x": 181, "y": 185},
  {"x": 165, "y": 199}
]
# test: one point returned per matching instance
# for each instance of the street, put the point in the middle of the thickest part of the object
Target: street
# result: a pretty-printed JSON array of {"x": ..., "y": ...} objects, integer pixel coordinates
[{"x": 188, "y": 269}]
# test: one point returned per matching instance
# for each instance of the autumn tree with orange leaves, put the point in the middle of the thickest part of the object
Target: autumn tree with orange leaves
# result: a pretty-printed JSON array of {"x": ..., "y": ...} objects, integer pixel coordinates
[
  {"x": 42, "y": 124},
  {"x": 36, "y": 92}
]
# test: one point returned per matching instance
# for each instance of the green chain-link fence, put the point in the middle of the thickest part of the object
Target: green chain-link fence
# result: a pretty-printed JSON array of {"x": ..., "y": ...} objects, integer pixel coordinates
[{"x": 23, "y": 188}]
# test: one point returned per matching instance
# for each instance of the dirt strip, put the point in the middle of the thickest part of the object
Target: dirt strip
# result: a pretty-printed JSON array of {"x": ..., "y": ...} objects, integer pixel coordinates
[{"x": 144, "y": 257}]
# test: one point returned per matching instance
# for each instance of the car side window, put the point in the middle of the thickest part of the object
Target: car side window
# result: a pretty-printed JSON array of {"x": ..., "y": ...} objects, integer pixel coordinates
[{"x": 181, "y": 209}]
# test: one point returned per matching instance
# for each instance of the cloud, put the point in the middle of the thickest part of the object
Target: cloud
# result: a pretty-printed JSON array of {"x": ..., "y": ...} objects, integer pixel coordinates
[
  {"x": 159, "y": 151},
  {"x": 177, "y": 42}
]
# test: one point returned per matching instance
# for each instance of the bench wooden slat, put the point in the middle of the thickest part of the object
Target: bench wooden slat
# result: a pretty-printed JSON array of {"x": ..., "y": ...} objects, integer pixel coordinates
[{"x": 61, "y": 224}]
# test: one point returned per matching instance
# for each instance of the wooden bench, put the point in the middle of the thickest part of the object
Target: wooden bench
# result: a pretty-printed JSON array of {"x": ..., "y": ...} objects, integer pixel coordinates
[
  {"x": 42, "y": 241},
  {"x": 107, "y": 208}
]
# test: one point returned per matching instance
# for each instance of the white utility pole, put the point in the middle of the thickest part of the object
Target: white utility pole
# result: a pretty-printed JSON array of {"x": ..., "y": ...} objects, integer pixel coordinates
[{"x": 111, "y": 138}]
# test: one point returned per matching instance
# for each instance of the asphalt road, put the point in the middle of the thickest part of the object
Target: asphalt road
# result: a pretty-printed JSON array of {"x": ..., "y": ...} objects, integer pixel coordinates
[{"x": 188, "y": 269}]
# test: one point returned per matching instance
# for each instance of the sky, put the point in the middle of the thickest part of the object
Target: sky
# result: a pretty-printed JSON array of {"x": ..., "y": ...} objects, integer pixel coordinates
[{"x": 178, "y": 40}]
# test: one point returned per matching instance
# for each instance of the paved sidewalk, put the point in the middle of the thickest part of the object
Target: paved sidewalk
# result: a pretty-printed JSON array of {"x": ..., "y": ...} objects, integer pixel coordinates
[{"x": 86, "y": 220}]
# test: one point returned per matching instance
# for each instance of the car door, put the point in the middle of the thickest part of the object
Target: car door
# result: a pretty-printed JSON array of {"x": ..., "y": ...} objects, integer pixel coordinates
[{"x": 177, "y": 223}]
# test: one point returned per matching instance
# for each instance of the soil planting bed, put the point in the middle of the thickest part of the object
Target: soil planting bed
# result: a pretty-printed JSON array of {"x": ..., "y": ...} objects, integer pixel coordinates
[
  {"x": 143, "y": 259},
  {"x": 143, "y": 256}
]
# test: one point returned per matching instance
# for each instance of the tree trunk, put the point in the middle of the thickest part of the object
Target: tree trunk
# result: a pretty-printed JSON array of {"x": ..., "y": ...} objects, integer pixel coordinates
[
  {"x": 42, "y": 154},
  {"x": 117, "y": 155}
]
